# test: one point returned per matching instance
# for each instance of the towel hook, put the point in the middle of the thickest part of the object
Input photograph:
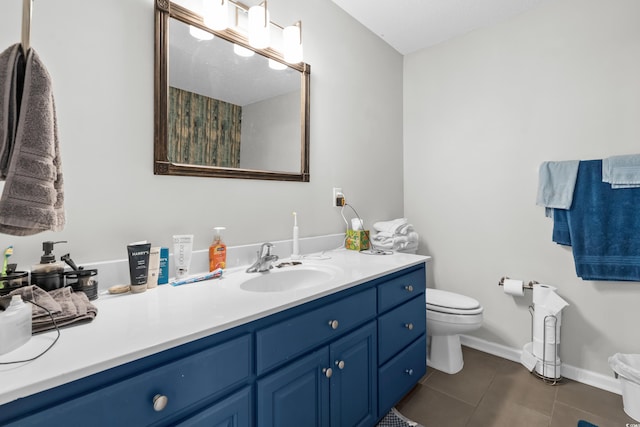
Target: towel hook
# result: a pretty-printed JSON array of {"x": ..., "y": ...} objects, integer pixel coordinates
[{"x": 26, "y": 25}]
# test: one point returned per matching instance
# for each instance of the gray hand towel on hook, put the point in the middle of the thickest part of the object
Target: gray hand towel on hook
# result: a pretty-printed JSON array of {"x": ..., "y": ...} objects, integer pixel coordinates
[
  {"x": 10, "y": 86},
  {"x": 32, "y": 199}
]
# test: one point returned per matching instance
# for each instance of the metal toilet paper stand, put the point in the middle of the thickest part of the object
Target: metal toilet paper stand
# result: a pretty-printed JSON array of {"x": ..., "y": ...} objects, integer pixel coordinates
[
  {"x": 551, "y": 380},
  {"x": 555, "y": 379}
]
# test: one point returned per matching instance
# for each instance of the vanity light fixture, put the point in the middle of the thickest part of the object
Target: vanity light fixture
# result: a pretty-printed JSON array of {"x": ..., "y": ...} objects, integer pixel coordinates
[
  {"x": 259, "y": 26},
  {"x": 255, "y": 23},
  {"x": 216, "y": 14},
  {"x": 292, "y": 40}
]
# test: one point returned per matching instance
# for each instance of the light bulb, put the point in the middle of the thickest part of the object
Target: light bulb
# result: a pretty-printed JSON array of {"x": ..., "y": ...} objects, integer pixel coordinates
[
  {"x": 216, "y": 14},
  {"x": 292, "y": 40},
  {"x": 259, "y": 27}
]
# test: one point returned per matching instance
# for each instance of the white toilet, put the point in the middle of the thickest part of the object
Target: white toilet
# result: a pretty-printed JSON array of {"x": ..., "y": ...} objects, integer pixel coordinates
[{"x": 448, "y": 315}]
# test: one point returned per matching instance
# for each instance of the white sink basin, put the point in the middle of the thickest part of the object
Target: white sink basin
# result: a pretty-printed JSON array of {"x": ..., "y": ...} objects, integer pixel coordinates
[{"x": 289, "y": 278}]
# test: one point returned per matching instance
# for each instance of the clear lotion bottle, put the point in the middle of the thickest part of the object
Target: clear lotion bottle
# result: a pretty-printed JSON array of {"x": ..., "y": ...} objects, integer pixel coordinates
[{"x": 15, "y": 325}]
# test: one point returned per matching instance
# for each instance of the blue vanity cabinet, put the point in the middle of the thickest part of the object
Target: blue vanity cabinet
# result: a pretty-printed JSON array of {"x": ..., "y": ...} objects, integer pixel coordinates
[
  {"x": 333, "y": 386},
  {"x": 341, "y": 360},
  {"x": 161, "y": 395},
  {"x": 401, "y": 336}
]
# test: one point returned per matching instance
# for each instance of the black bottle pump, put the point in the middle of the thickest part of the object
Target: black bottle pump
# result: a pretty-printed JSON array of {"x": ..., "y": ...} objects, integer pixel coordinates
[{"x": 47, "y": 247}]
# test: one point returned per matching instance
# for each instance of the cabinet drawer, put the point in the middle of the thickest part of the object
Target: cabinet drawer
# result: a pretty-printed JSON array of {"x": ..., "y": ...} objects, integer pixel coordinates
[
  {"x": 130, "y": 402},
  {"x": 401, "y": 289},
  {"x": 401, "y": 373},
  {"x": 400, "y": 326},
  {"x": 293, "y": 336}
]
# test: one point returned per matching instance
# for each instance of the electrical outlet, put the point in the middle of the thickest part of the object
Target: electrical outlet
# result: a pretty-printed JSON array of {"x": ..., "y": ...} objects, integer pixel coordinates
[{"x": 337, "y": 199}]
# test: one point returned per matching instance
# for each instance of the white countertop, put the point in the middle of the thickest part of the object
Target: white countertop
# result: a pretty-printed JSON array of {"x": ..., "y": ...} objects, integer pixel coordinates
[{"x": 132, "y": 326}]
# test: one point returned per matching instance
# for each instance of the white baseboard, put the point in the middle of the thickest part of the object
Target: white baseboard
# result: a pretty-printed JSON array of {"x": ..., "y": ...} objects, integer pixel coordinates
[{"x": 571, "y": 372}]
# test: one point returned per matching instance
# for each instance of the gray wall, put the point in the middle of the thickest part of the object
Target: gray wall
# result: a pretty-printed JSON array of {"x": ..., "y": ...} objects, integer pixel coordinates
[
  {"x": 100, "y": 56},
  {"x": 481, "y": 113},
  {"x": 270, "y": 135}
]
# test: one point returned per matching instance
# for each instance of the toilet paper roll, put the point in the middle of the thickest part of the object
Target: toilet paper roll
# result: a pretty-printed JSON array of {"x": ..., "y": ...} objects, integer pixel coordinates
[
  {"x": 548, "y": 352},
  {"x": 543, "y": 324},
  {"x": 540, "y": 292},
  {"x": 514, "y": 287}
]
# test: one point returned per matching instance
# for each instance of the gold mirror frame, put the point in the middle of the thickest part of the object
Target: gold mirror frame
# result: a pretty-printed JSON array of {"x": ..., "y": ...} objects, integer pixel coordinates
[{"x": 166, "y": 9}]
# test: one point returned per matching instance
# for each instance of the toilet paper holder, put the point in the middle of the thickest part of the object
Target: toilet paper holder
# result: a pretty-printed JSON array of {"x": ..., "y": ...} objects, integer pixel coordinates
[
  {"x": 526, "y": 286},
  {"x": 547, "y": 379}
]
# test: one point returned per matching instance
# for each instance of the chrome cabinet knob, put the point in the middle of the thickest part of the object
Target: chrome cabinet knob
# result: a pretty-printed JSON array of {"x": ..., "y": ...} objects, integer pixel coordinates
[
  {"x": 333, "y": 324},
  {"x": 408, "y": 288},
  {"x": 327, "y": 372},
  {"x": 409, "y": 372},
  {"x": 160, "y": 402},
  {"x": 340, "y": 364},
  {"x": 409, "y": 326}
]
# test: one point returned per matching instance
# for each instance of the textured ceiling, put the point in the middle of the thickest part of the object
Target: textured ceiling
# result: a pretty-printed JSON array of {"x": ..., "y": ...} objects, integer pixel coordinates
[{"x": 411, "y": 25}]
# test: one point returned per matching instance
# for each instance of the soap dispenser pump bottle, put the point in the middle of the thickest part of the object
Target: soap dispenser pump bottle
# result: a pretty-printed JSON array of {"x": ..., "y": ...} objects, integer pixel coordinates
[
  {"x": 49, "y": 274},
  {"x": 217, "y": 251}
]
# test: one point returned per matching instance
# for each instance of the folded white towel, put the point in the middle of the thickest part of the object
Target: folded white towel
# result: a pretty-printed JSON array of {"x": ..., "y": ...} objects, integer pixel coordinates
[
  {"x": 396, "y": 242},
  {"x": 390, "y": 226}
]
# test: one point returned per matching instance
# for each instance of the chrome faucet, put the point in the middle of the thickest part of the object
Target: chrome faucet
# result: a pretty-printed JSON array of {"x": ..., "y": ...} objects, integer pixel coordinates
[{"x": 265, "y": 259}]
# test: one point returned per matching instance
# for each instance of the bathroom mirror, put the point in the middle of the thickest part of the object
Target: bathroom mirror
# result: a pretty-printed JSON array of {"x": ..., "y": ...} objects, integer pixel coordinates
[{"x": 220, "y": 114}]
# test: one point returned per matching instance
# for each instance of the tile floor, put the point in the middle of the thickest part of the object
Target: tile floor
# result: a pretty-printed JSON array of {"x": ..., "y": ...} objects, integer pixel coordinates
[{"x": 495, "y": 392}]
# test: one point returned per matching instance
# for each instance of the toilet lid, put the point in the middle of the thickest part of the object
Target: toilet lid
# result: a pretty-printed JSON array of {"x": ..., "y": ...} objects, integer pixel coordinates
[{"x": 449, "y": 302}]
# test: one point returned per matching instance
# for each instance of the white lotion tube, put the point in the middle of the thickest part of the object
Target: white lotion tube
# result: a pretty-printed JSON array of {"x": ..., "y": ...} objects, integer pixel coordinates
[
  {"x": 154, "y": 267},
  {"x": 295, "y": 253},
  {"x": 182, "y": 246}
]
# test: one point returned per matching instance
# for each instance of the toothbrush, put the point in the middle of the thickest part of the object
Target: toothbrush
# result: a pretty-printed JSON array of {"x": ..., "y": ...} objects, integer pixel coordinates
[
  {"x": 7, "y": 253},
  {"x": 215, "y": 273},
  {"x": 295, "y": 253}
]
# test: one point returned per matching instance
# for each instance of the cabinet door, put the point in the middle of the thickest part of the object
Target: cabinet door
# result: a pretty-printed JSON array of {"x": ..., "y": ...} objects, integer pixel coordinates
[
  {"x": 234, "y": 411},
  {"x": 296, "y": 395},
  {"x": 354, "y": 381}
]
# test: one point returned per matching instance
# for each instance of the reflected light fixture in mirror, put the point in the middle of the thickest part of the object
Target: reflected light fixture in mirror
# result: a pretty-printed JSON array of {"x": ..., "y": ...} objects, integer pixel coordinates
[
  {"x": 275, "y": 65},
  {"x": 199, "y": 33},
  {"x": 242, "y": 51}
]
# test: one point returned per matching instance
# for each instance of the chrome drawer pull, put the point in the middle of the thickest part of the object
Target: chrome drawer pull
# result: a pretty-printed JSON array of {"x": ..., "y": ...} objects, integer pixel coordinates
[
  {"x": 327, "y": 372},
  {"x": 409, "y": 372},
  {"x": 409, "y": 288},
  {"x": 409, "y": 326},
  {"x": 333, "y": 324},
  {"x": 160, "y": 402},
  {"x": 340, "y": 364}
]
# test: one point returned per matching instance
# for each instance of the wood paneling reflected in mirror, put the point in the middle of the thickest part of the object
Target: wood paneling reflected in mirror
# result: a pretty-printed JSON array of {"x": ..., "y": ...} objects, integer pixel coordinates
[{"x": 219, "y": 114}]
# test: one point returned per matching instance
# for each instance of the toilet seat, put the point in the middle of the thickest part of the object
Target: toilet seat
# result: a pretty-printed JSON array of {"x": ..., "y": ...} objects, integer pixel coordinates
[{"x": 451, "y": 303}]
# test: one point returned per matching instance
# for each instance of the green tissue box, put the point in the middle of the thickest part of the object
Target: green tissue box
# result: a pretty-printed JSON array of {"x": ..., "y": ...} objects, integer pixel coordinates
[{"x": 357, "y": 240}]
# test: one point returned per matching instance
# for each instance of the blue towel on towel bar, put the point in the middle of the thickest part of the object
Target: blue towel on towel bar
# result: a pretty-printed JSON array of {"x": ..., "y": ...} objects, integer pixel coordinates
[{"x": 603, "y": 227}]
